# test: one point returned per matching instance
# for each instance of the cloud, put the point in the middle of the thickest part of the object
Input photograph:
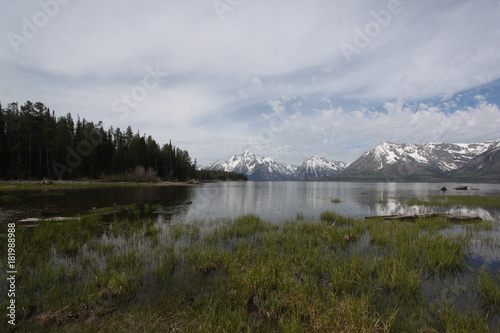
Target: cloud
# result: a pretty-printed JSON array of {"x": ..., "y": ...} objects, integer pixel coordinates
[
  {"x": 282, "y": 59},
  {"x": 336, "y": 133}
]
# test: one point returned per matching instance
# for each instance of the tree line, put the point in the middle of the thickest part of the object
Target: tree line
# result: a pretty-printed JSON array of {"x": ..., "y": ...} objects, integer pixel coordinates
[{"x": 35, "y": 144}]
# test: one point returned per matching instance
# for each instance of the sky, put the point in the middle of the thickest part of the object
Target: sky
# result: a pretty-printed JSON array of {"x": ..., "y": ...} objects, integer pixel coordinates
[{"x": 285, "y": 79}]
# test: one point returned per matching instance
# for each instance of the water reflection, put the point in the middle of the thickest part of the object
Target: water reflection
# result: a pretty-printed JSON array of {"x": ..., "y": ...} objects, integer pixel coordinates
[
  {"x": 283, "y": 200},
  {"x": 276, "y": 201}
]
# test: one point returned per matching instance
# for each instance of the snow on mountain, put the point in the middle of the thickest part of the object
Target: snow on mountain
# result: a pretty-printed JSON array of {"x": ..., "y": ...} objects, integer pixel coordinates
[
  {"x": 214, "y": 166},
  {"x": 429, "y": 159},
  {"x": 255, "y": 167},
  {"x": 443, "y": 156},
  {"x": 485, "y": 166},
  {"x": 265, "y": 168},
  {"x": 315, "y": 167},
  {"x": 387, "y": 161}
]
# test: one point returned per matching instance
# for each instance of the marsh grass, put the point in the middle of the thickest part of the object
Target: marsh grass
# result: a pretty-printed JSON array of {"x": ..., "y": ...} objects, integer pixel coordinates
[
  {"x": 455, "y": 321},
  {"x": 489, "y": 287},
  {"x": 459, "y": 200},
  {"x": 22, "y": 186},
  {"x": 188, "y": 231},
  {"x": 245, "y": 275}
]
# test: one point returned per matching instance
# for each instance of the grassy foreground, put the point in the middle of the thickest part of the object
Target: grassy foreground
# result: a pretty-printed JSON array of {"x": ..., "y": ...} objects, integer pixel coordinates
[{"x": 249, "y": 275}]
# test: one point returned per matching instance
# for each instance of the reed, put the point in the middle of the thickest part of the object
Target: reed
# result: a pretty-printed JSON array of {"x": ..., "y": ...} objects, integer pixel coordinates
[
  {"x": 188, "y": 231},
  {"x": 245, "y": 274},
  {"x": 459, "y": 200},
  {"x": 455, "y": 321},
  {"x": 398, "y": 275},
  {"x": 441, "y": 254},
  {"x": 489, "y": 288}
]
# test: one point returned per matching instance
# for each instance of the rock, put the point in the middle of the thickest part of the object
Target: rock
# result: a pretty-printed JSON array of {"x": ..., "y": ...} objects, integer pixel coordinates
[{"x": 460, "y": 188}]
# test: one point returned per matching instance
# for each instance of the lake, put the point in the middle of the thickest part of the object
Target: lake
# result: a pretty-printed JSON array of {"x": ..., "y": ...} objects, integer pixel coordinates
[
  {"x": 117, "y": 254},
  {"x": 274, "y": 201}
]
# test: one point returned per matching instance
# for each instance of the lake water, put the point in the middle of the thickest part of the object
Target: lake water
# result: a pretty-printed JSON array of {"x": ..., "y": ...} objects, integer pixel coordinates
[
  {"x": 274, "y": 201},
  {"x": 283, "y": 200}
]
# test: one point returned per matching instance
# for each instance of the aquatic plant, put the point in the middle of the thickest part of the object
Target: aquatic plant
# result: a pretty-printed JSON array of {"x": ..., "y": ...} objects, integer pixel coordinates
[
  {"x": 247, "y": 274},
  {"x": 489, "y": 287},
  {"x": 459, "y": 200}
]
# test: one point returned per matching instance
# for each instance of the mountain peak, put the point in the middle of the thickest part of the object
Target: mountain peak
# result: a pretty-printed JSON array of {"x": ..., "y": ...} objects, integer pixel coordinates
[
  {"x": 317, "y": 167},
  {"x": 246, "y": 152},
  {"x": 407, "y": 160},
  {"x": 386, "y": 161},
  {"x": 265, "y": 168}
]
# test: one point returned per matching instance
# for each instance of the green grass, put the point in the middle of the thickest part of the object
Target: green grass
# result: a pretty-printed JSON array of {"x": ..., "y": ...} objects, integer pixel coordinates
[
  {"x": 335, "y": 201},
  {"x": 455, "y": 321},
  {"x": 489, "y": 287},
  {"x": 247, "y": 275},
  {"x": 459, "y": 200},
  {"x": 189, "y": 231},
  {"x": 21, "y": 186},
  {"x": 381, "y": 201}
]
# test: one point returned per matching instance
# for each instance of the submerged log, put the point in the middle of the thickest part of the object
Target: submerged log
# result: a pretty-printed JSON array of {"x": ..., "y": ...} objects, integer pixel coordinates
[
  {"x": 449, "y": 217},
  {"x": 462, "y": 218}
]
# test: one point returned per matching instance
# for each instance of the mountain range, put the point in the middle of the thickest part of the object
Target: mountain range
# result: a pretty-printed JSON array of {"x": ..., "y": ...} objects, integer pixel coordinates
[
  {"x": 265, "y": 168},
  {"x": 426, "y": 162},
  {"x": 387, "y": 161}
]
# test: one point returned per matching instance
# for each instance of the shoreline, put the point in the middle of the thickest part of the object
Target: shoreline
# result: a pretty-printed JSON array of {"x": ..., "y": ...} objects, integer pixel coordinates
[{"x": 12, "y": 185}]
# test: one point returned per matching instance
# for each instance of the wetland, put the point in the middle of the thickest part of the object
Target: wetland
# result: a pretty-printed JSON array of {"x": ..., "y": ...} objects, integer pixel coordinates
[{"x": 254, "y": 257}]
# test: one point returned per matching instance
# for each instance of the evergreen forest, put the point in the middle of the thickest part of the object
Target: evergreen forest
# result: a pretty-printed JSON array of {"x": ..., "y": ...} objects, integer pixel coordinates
[{"x": 35, "y": 144}]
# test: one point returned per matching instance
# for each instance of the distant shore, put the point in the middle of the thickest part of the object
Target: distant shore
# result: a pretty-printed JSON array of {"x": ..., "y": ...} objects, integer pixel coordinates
[{"x": 61, "y": 184}]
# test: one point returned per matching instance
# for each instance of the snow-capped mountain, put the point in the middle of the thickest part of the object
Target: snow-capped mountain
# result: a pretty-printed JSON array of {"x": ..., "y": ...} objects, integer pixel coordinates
[
  {"x": 254, "y": 167},
  {"x": 485, "y": 166},
  {"x": 386, "y": 162},
  {"x": 317, "y": 167},
  {"x": 265, "y": 168},
  {"x": 395, "y": 161}
]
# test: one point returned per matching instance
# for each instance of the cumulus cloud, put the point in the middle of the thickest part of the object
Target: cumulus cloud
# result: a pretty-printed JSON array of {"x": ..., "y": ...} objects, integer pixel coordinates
[
  {"x": 228, "y": 72},
  {"x": 336, "y": 133}
]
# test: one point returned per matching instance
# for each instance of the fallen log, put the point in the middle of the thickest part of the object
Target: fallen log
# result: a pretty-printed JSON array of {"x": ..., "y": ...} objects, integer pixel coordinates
[
  {"x": 57, "y": 219},
  {"x": 449, "y": 217}
]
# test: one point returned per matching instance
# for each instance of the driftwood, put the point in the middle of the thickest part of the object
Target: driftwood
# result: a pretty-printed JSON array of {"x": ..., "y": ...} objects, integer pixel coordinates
[
  {"x": 46, "y": 181},
  {"x": 57, "y": 219},
  {"x": 449, "y": 217}
]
